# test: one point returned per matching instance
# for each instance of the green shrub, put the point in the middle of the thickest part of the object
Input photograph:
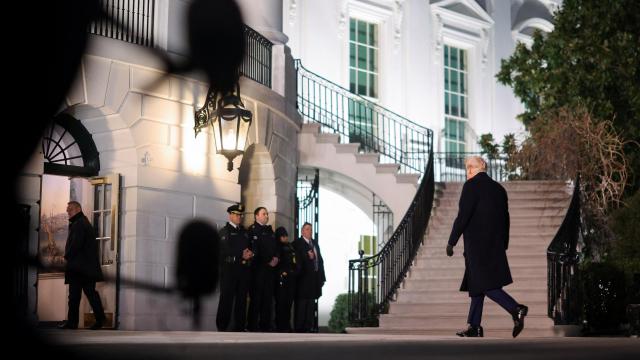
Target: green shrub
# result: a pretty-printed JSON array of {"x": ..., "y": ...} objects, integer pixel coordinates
[
  {"x": 603, "y": 294},
  {"x": 339, "y": 317}
]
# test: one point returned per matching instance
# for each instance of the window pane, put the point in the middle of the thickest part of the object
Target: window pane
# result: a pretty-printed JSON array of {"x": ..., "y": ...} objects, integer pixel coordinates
[
  {"x": 352, "y": 81},
  {"x": 446, "y": 80},
  {"x": 373, "y": 35},
  {"x": 463, "y": 86},
  {"x": 373, "y": 86},
  {"x": 460, "y": 130},
  {"x": 453, "y": 59},
  {"x": 463, "y": 106},
  {"x": 362, "y": 83},
  {"x": 373, "y": 61},
  {"x": 452, "y": 129},
  {"x": 461, "y": 147},
  {"x": 447, "y": 104},
  {"x": 455, "y": 105},
  {"x": 362, "y": 32},
  {"x": 352, "y": 55},
  {"x": 454, "y": 81},
  {"x": 362, "y": 57},
  {"x": 352, "y": 29},
  {"x": 446, "y": 55},
  {"x": 463, "y": 60}
]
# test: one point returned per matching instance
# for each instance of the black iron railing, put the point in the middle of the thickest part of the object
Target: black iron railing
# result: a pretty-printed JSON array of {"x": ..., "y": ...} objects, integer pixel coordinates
[
  {"x": 374, "y": 280},
  {"x": 562, "y": 264},
  {"x": 359, "y": 120},
  {"x": 257, "y": 61},
  {"x": 127, "y": 20},
  {"x": 449, "y": 166}
]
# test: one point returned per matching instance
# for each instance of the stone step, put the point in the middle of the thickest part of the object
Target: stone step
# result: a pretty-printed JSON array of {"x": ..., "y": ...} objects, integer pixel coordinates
[
  {"x": 457, "y": 262},
  {"x": 387, "y": 168},
  {"x": 431, "y": 250},
  {"x": 529, "y": 202},
  {"x": 459, "y": 308},
  {"x": 407, "y": 178},
  {"x": 520, "y": 195},
  {"x": 516, "y": 273},
  {"x": 514, "y": 230},
  {"x": 351, "y": 148},
  {"x": 519, "y": 185},
  {"x": 326, "y": 138},
  {"x": 514, "y": 238},
  {"x": 438, "y": 221},
  {"x": 418, "y": 296},
  {"x": 367, "y": 158},
  {"x": 535, "y": 283},
  {"x": 452, "y": 212},
  {"x": 310, "y": 128},
  {"x": 453, "y": 322},
  {"x": 488, "y": 333}
]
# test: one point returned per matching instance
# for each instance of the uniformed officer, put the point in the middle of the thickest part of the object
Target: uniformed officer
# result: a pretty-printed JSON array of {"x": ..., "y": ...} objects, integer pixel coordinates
[
  {"x": 288, "y": 269},
  {"x": 263, "y": 272},
  {"x": 236, "y": 256}
]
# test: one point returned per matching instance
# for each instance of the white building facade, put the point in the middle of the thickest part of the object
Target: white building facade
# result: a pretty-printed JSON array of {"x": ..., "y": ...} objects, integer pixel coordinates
[{"x": 433, "y": 62}]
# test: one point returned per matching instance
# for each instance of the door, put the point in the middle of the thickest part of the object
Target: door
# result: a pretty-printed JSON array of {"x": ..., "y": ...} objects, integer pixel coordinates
[{"x": 105, "y": 220}]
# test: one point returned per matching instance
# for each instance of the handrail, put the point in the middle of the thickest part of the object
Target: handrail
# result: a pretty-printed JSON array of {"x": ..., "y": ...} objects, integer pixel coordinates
[
  {"x": 374, "y": 280},
  {"x": 562, "y": 266},
  {"x": 359, "y": 120}
]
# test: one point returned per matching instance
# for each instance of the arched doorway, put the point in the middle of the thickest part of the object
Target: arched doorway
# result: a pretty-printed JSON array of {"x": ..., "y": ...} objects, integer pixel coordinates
[{"x": 70, "y": 173}]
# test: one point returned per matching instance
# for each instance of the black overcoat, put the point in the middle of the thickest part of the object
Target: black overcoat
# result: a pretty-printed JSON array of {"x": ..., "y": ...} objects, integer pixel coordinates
[
  {"x": 81, "y": 251},
  {"x": 310, "y": 281},
  {"x": 483, "y": 220}
]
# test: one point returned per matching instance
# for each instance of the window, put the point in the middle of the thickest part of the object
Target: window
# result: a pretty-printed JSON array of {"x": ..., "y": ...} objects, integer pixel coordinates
[
  {"x": 363, "y": 80},
  {"x": 363, "y": 58},
  {"x": 456, "y": 102}
]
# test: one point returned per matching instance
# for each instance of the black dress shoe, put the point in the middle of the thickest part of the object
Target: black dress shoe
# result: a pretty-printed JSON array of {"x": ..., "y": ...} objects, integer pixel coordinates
[
  {"x": 471, "y": 331},
  {"x": 67, "y": 325},
  {"x": 518, "y": 319}
]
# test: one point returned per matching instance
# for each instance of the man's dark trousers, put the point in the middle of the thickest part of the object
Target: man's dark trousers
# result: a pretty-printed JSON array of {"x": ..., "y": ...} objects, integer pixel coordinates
[
  {"x": 76, "y": 287},
  {"x": 497, "y": 295}
]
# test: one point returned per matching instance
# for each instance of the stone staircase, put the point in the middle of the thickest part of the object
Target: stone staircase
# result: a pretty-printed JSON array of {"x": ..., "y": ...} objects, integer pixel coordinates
[
  {"x": 324, "y": 151},
  {"x": 429, "y": 301}
]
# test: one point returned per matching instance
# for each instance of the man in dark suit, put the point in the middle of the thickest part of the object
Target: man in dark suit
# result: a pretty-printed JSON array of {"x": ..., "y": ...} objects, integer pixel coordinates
[
  {"x": 263, "y": 272},
  {"x": 236, "y": 255},
  {"x": 83, "y": 267},
  {"x": 483, "y": 219},
  {"x": 310, "y": 280}
]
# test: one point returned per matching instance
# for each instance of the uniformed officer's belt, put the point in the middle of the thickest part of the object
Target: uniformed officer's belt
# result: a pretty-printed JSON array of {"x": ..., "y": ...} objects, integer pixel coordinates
[{"x": 230, "y": 259}]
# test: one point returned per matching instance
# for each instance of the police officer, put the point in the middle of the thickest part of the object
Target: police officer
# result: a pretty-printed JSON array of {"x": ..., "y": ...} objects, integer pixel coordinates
[
  {"x": 288, "y": 269},
  {"x": 236, "y": 256},
  {"x": 263, "y": 272}
]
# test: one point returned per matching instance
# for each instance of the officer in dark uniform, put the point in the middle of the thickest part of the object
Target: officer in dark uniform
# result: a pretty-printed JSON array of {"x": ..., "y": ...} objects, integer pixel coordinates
[
  {"x": 264, "y": 270},
  {"x": 236, "y": 256},
  {"x": 288, "y": 270}
]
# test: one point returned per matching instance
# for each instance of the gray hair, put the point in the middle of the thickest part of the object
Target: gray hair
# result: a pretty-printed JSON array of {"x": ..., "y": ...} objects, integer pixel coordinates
[{"x": 478, "y": 161}]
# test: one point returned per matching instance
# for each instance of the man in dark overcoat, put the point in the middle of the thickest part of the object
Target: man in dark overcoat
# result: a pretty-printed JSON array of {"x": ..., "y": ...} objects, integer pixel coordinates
[
  {"x": 83, "y": 267},
  {"x": 310, "y": 280},
  {"x": 235, "y": 272},
  {"x": 483, "y": 219}
]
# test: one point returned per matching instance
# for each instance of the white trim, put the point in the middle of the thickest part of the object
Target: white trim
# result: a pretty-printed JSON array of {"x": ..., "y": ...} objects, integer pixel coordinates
[{"x": 537, "y": 23}]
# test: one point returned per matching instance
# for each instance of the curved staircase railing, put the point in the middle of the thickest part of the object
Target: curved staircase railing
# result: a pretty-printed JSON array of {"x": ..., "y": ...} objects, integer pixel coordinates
[
  {"x": 359, "y": 120},
  {"x": 374, "y": 280},
  {"x": 562, "y": 266}
]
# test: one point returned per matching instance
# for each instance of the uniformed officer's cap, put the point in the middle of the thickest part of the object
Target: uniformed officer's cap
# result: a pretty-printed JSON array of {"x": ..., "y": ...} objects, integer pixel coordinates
[{"x": 237, "y": 209}]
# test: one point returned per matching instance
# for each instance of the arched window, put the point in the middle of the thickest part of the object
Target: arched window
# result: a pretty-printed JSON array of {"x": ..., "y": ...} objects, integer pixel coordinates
[{"x": 69, "y": 149}]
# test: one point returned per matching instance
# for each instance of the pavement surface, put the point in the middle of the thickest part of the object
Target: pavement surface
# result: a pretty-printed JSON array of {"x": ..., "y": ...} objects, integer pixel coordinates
[{"x": 106, "y": 344}]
